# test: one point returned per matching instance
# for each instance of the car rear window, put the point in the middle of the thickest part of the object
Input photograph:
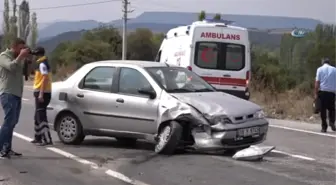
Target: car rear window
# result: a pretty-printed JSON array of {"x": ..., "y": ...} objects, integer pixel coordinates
[{"x": 221, "y": 56}]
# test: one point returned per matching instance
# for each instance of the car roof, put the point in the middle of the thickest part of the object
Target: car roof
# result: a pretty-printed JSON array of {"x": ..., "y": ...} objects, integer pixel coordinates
[{"x": 138, "y": 63}]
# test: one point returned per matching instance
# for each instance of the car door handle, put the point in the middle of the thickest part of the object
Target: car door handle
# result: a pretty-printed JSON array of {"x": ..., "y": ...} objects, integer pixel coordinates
[
  {"x": 80, "y": 95},
  {"x": 227, "y": 75},
  {"x": 120, "y": 100}
]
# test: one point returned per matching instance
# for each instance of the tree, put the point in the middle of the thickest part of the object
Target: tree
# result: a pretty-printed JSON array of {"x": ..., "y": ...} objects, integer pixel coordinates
[
  {"x": 217, "y": 17},
  {"x": 202, "y": 15},
  {"x": 6, "y": 25},
  {"x": 13, "y": 31},
  {"x": 23, "y": 21},
  {"x": 106, "y": 34},
  {"x": 34, "y": 30},
  {"x": 140, "y": 45}
]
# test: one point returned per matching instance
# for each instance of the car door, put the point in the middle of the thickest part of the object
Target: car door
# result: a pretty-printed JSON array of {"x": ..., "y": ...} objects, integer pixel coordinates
[
  {"x": 94, "y": 98},
  {"x": 137, "y": 112}
]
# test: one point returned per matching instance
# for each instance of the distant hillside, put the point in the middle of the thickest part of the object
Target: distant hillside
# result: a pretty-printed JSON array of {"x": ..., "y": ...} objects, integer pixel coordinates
[
  {"x": 171, "y": 19},
  {"x": 51, "y": 44},
  {"x": 247, "y": 21},
  {"x": 256, "y": 37},
  {"x": 65, "y": 26}
]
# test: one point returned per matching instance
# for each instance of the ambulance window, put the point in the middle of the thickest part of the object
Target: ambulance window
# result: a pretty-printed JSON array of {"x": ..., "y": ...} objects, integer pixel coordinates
[
  {"x": 207, "y": 55},
  {"x": 219, "y": 55},
  {"x": 234, "y": 57}
]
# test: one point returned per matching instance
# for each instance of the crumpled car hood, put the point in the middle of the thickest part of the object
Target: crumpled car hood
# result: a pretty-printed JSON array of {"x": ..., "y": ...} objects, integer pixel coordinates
[
  {"x": 218, "y": 103},
  {"x": 170, "y": 108}
]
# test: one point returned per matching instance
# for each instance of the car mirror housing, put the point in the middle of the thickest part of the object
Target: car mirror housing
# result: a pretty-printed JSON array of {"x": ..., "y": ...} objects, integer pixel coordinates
[{"x": 148, "y": 91}]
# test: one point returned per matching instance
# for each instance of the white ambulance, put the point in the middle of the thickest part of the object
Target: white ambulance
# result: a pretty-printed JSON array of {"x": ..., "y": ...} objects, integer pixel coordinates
[{"x": 216, "y": 51}]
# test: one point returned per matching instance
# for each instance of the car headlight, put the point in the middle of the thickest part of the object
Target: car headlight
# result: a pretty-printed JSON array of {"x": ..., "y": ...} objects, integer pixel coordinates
[
  {"x": 260, "y": 114},
  {"x": 222, "y": 119}
]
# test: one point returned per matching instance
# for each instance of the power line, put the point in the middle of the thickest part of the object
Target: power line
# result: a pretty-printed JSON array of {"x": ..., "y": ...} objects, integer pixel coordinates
[
  {"x": 126, "y": 11},
  {"x": 71, "y": 5}
]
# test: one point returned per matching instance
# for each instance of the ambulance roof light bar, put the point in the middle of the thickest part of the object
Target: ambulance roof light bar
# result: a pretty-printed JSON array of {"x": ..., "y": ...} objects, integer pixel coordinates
[{"x": 226, "y": 22}]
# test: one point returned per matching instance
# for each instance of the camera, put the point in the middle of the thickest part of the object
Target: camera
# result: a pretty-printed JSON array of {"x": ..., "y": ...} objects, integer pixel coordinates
[{"x": 34, "y": 52}]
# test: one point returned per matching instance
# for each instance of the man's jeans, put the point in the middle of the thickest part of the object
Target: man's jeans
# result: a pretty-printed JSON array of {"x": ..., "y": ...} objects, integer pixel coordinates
[{"x": 11, "y": 105}]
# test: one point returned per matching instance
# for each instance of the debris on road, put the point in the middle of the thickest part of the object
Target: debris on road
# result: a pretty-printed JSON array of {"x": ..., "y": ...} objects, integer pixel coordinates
[
  {"x": 4, "y": 179},
  {"x": 253, "y": 153}
]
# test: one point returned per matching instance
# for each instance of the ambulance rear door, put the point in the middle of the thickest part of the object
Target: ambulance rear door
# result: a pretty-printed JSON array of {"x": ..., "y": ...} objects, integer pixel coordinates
[{"x": 221, "y": 57}]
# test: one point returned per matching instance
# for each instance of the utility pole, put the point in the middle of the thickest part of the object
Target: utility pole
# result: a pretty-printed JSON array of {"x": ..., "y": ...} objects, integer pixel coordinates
[{"x": 126, "y": 11}]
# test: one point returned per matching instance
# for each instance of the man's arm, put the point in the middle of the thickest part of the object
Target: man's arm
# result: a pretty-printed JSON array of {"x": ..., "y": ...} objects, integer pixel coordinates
[
  {"x": 317, "y": 82},
  {"x": 44, "y": 71},
  {"x": 9, "y": 64}
]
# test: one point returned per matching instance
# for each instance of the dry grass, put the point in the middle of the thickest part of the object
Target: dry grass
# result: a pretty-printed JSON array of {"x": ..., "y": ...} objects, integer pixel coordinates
[{"x": 289, "y": 105}]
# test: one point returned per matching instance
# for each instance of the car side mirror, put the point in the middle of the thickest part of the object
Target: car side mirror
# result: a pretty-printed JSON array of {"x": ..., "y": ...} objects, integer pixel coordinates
[{"x": 148, "y": 91}]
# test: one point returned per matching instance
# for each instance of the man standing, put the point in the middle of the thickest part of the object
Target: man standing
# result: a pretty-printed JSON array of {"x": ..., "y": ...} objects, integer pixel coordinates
[
  {"x": 42, "y": 94},
  {"x": 325, "y": 89},
  {"x": 11, "y": 89}
]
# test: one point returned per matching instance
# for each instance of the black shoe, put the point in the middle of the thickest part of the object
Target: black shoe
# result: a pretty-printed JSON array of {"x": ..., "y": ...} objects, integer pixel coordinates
[
  {"x": 14, "y": 153},
  {"x": 44, "y": 143},
  {"x": 333, "y": 128},
  {"x": 4, "y": 155},
  {"x": 324, "y": 130},
  {"x": 36, "y": 141}
]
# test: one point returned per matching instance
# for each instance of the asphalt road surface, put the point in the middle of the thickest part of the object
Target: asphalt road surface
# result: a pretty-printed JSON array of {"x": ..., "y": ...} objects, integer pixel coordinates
[{"x": 303, "y": 156}]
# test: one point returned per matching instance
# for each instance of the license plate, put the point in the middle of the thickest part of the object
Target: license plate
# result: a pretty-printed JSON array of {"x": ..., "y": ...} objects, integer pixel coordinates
[{"x": 249, "y": 131}]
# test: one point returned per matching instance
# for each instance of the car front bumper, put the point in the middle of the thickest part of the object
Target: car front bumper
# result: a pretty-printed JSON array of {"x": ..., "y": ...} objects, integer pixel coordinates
[{"x": 229, "y": 139}]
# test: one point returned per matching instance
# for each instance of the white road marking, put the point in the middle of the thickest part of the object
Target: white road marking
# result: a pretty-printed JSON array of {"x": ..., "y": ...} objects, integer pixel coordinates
[
  {"x": 305, "y": 131},
  {"x": 23, "y": 137},
  {"x": 293, "y": 155},
  {"x": 25, "y": 99},
  {"x": 73, "y": 157},
  {"x": 93, "y": 165}
]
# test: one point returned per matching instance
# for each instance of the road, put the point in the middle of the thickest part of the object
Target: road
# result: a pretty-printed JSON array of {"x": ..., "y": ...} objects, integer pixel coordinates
[{"x": 303, "y": 156}]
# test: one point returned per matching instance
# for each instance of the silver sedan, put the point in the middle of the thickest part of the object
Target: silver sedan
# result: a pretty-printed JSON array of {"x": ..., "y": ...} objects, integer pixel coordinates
[{"x": 171, "y": 106}]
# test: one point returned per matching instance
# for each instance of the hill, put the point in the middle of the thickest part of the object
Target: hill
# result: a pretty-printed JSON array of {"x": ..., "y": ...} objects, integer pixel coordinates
[
  {"x": 257, "y": 37},
  {"x": 57, "y": 28},
  {"x": 247, "y": 21},
  {"x": 171, "y": 19}
]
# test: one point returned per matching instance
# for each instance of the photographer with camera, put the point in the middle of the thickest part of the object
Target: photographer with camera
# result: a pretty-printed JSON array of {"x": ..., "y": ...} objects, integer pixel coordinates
[
  {"x": 42, "y": 94},
  {"x": 11, "y": 89}
]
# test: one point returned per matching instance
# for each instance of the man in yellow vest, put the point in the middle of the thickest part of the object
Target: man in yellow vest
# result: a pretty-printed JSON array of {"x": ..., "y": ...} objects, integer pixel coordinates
[{"x": 42, "y": 94}]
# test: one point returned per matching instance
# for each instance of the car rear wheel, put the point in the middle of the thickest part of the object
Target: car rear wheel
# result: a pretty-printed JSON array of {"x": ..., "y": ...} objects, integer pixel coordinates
[
  {"x": 69, "y": 129},
  {"x": 168, "y": 138}
]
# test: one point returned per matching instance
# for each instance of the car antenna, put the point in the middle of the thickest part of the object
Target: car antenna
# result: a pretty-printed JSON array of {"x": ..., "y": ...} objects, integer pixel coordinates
[{"x": 167, "y": 64}]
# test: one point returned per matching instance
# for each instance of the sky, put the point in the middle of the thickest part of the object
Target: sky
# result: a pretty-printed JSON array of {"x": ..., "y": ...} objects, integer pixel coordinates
[{"x": 323, "y": 10}]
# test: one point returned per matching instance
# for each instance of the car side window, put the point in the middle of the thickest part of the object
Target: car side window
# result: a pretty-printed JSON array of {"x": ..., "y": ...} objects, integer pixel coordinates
[
  {"x": 99, "y": 79},
  {"x": 131, "y": 80}
]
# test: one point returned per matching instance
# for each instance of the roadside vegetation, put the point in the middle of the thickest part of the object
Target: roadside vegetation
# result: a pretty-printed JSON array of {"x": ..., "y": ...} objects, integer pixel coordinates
[{"x": 282, "y": 77}]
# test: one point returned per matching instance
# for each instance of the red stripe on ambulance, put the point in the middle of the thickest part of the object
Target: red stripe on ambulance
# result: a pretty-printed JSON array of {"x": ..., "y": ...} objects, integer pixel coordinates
[{"x": 225, "y": 81}]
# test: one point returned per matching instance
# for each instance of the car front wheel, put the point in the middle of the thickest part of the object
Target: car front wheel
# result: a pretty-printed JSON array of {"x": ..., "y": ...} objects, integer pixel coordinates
[
  {"x": 69, "y": 129},
  {"x": 168, "y": 138}
]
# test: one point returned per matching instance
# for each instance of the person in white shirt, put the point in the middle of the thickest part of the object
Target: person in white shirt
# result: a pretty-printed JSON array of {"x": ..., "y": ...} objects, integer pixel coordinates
[{"x": 325, "y": 90}]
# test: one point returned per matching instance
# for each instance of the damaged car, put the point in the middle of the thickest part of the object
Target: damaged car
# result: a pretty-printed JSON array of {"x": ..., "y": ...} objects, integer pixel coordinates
[{"x": 171, "y": 106}]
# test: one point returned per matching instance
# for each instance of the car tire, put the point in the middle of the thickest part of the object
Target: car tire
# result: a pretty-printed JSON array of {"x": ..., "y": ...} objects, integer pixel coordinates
[
  {"x": 126, "y": 141},
  {"x": 69, "y": 129},
  {"x": 168, "y": 138}
]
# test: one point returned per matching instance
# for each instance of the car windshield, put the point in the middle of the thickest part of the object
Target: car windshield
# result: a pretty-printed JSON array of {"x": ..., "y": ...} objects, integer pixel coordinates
[{"x": 179, "y": 80}]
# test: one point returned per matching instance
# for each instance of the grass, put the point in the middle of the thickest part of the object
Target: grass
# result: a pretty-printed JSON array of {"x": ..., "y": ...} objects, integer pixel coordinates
[{"x": 288, "y": 105}]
